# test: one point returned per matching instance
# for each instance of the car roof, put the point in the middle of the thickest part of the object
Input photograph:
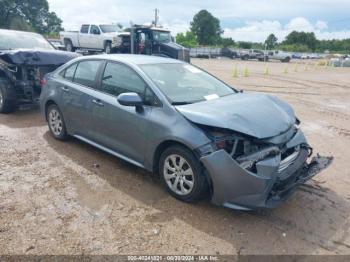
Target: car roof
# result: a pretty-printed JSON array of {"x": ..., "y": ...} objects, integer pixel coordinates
[
  {"x": 134, "y": 59},
  {"x": 14, "y": 32}
]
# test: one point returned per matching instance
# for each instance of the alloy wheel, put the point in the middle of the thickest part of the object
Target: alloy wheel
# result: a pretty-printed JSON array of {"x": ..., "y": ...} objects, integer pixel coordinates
[
  {"x": 55, "y": 122},
  {"x": 178, "y": 174}
]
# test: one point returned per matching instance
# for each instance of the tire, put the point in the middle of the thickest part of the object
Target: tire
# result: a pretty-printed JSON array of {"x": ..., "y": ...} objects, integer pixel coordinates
[
  {"x": 286, "y": 60},
  {"x": 245, "y": 57},
  {"x": 108, "y": 48},
  {"x": 191, "y": 183},
  {"x": 69, "y": 46},
  {"x": 6, "y": 105},
  {"x": 56, "y": 122}
]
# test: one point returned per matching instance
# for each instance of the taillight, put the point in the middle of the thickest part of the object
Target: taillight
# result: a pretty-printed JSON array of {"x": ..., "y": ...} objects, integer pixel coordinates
[{"x": 42, "y": 82}]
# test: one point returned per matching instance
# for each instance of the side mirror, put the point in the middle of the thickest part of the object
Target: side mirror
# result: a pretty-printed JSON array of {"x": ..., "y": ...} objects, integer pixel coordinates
[{"x": 130, "y": 99}]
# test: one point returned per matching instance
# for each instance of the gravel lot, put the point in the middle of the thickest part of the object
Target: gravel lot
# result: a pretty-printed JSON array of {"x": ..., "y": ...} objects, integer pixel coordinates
[{"x": 70, "y": 198}]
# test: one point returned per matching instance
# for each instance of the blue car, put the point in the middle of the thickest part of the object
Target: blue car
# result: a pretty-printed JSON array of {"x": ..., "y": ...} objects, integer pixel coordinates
[{"x": 203, "y": 137}]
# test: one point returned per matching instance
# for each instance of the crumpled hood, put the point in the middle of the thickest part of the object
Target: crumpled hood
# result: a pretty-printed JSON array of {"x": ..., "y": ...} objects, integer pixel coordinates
[
  {"x": 255, "y": 114},
  {"x": 37, "y": 57}
]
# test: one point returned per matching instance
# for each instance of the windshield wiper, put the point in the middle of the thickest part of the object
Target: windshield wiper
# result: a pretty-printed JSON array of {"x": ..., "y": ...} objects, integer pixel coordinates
[{"x": 181, "y": 103}]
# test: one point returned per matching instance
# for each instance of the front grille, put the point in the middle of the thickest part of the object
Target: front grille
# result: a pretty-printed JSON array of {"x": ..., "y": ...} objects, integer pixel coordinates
[{"x": 184, "y": 55}]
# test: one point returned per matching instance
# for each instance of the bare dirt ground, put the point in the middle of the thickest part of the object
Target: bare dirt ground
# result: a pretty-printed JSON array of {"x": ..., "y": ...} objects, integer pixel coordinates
[{"x": 70, "y": 198}]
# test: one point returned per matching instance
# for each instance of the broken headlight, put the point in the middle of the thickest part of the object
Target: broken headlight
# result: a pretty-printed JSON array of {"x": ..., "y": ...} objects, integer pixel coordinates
[
  {"x": 221, "y": 139},
  {"x": 246, "y": 151}
]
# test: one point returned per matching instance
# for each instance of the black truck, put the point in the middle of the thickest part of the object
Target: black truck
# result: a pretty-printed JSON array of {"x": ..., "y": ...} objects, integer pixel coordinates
[
  {"x": 150, "y": 40},
  {"x": 24, "y": 60}
]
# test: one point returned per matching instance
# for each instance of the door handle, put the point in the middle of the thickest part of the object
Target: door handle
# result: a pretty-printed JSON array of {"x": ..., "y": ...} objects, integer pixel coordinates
[
  {"x": 65, "y": 89},
  {"x": 97, "y": 102}
]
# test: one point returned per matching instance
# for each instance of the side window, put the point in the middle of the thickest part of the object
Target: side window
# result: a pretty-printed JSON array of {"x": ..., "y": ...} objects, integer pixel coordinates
[
  {"x": 86, "y": 71},
  {"x": 84, "y": 29},
  {"x": 94, "y": 30},
  {"x": 69, "y": 72},
  {"x": 118, "y": 78},
  {"x": 150, "y": 99}
]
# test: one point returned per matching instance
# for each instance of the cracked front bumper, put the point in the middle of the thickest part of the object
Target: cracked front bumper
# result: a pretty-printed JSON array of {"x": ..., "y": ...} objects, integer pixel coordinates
[{"x": 238, "y": 188}]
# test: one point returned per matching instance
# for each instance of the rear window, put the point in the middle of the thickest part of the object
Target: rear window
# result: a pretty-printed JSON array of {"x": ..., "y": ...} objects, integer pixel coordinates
[
  {"x": 68, "y": 73},
  {"x": 86, "y": 71},
  {"x": 84, "y": 29}
]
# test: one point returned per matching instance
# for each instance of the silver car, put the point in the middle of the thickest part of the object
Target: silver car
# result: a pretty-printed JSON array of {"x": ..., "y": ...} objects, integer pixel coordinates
[{"x": 203, "y": 137}]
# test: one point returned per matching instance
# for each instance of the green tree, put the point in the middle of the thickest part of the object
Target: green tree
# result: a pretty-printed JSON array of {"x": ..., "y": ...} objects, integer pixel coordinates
[
  {"x": 206, "y": 28},
  {"x": 245, "y": 45},
  {"x": 226, "y": 41},
  {"x": 295, "y": 48},
  {"x": 187, "y": 39},
  {"x": 53, "y": 24},
  {"x": 301, "y": 38},
  {"x": 29, "y": 15},
  {"x": 335, "y": 45},
  {"x": 271, "y": 41}
]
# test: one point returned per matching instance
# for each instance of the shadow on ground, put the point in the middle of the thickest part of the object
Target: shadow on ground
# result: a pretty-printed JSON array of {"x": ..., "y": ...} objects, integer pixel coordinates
[
  {"x": 23, "y": 118},
  {"x": 312, "y": 216}
]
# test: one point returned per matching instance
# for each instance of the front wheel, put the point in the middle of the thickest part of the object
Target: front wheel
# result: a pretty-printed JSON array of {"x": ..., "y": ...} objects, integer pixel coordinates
[
  {"x": 182, "y": 174},
  {"x": 6, "y": 105},
  {"x": 56, "y": 122}
]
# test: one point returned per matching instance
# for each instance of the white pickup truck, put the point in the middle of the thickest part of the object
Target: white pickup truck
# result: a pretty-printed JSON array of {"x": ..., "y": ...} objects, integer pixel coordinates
[
  {"x": 92, "y": 37},
  {"x": 284, "y": 57}
]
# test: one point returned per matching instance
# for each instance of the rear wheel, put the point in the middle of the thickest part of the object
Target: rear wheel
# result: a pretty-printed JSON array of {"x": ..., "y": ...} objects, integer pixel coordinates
[
  {"x": 6, "y": 105},
  {"x": 245, "y": 57},
  {"x": 286, "y": 60},
  {"x": 69, "y": 46},
  {"x": 56, "y": 122},
  {"x": 108, "y": 47},
  {"x": 182, "y": 174}
]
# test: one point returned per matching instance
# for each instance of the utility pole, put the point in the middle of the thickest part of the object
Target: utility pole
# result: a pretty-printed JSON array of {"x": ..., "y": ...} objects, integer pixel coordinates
[
  {"x": 156, "y": 17},
  {"x": 132, "y": 36}
]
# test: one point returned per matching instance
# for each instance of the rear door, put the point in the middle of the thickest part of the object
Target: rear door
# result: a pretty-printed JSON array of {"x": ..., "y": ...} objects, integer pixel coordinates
[{"x": 77, "y": 94}]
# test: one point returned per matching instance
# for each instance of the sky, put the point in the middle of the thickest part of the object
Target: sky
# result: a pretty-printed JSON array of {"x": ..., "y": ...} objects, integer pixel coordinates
[{"x": 243, "y": 20}]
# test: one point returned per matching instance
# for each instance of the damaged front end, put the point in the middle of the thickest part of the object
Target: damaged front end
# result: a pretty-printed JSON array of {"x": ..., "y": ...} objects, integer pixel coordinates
[
  {"x": 249, "y": 173},
  {"x": 24, "y": 71},
  {"x": 25, "y": 80}
]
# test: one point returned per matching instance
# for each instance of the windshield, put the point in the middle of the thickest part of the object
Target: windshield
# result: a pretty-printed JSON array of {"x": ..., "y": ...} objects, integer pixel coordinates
[
  {"x": 185, "y": 84},
  {"x": 162, "y": 36},
  {"x": 15, "y": 40},
  {"x": 109, "y": 28}
]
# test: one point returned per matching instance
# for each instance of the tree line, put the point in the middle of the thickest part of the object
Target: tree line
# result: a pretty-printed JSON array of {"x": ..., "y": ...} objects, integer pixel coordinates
[
  {"x": 205, "y": 30},
  {"x": 29, "y": 15},
  {"x": 34, "y": 15}
]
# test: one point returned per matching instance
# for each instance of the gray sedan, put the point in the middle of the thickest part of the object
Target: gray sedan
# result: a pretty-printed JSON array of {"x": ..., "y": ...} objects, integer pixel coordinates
[{"x": 203, "y": 137}]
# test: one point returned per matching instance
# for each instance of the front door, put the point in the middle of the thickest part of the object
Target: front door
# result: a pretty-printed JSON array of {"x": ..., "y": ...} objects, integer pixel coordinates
[{"x": 121, "y": 128}]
